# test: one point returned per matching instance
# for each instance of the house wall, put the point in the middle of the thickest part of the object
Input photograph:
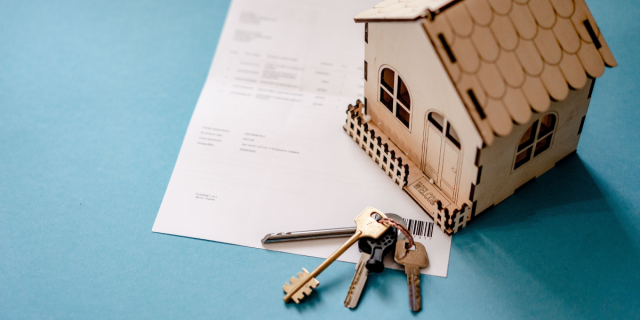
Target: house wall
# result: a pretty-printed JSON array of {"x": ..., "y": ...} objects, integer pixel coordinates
[
  {"x": 406, "y": 48},
  {"x": 498, "y": 180}
]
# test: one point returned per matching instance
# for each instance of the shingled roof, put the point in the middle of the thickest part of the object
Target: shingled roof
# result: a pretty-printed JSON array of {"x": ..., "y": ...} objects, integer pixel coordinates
[{"x": 509, "y": 57}]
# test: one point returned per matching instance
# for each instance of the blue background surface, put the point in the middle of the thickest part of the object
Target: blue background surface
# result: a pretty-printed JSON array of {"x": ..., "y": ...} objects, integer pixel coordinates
[{"x": 95, "y": 99}]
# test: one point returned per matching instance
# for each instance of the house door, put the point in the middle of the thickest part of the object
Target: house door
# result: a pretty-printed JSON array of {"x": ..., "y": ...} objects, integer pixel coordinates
[{"x": 441, "y": 159}]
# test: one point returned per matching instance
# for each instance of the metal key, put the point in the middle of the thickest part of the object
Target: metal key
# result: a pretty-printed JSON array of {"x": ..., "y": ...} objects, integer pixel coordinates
[
  {"x": 359, "y": 280},
  {"x": 358, "y": 283},
  {"x": 320, "y": 234},
  {"x": 413, "y": 261},
  {"x": 372, "y": 253},
  {"x": 308, "y": 235},
  {"x": 367, "y": 226}
]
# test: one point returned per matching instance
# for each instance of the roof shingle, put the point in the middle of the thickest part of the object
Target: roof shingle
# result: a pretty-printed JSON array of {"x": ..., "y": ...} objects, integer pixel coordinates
[
  {"x": 517, "y": 55},
  {"x": 507, "y": 57}
]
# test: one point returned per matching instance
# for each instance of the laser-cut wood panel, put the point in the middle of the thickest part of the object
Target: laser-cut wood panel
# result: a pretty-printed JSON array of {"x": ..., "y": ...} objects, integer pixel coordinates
[
  {"x": 508, "y": 63},
  {"x": 533, "y": 37}
]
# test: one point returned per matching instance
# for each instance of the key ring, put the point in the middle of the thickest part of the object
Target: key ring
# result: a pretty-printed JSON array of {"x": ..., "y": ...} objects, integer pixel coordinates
[{"x": 402, "y": 229}]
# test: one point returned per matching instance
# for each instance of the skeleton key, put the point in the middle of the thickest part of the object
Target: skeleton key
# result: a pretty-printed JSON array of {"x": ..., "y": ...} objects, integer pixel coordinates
[
  {"x": 367, "y": 226},
  {"x": 413, "y": 261}
]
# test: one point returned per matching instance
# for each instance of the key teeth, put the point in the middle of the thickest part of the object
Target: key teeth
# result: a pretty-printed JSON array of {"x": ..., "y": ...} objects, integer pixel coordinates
[
  {"x": 305, "y": 290},
  {"x": 417, "y": 295},
  {"x": 352, "y": 288},
  {"x": 416, "y": 303}
]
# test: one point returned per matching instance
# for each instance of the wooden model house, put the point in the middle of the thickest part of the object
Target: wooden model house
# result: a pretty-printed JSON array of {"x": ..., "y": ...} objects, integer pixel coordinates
[{"x": 465, "y": 101}]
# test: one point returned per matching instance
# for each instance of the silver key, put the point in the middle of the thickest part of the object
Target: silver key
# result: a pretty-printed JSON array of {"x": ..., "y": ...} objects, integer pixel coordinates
[
  {"x": 319, "y": 234},
  {"x": 362, "y": 273},
  {"x": 413, "y": 261},
  {"x": 308, "y": 235},
  {"x": 358, "y": 282}
]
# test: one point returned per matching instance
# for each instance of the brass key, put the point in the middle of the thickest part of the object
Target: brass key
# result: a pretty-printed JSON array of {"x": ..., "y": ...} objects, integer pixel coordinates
[
  {"x": 366, "y": 225},
  {"x": 413, "y": 261}
]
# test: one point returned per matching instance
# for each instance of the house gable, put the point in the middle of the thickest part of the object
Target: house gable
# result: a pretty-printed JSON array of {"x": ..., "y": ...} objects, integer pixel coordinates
[
  {"x": 508, "y": 58},
  {"x": 515, "y": 75},
  {"x": 404, "y": 48}
]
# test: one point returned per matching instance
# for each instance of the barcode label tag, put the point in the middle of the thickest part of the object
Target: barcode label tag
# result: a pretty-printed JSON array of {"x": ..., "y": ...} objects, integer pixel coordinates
[{"x": 419, "y": 228}]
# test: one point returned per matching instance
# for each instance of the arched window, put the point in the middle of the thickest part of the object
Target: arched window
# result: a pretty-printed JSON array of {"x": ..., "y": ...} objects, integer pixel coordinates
[
  {"x": 438, "y": 122},
  {"x": 535, "y": 140},
  {"x": 395, "y": 96}
]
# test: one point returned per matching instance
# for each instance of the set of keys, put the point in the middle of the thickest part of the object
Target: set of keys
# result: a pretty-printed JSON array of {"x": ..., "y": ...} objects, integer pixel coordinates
[{"x": 377, "y": 235}]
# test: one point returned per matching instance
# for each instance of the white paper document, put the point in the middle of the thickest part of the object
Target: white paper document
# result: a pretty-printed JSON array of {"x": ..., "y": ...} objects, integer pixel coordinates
[{"x": 265, "y": 150}]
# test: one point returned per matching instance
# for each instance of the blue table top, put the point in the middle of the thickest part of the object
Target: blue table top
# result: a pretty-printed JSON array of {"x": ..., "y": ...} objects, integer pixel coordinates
[{"x": 95, "y": 99}]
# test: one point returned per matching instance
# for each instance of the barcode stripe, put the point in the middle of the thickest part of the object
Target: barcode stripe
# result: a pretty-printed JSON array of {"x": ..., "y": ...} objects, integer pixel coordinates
[{"x": 419, "y": 227}]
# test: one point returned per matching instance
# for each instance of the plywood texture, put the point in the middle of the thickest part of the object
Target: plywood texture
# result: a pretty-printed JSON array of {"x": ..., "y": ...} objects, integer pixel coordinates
[
  {"x": 400, "y": 10},
  {"x": 431, "y": 90},
  {"x": 377, "y": 145},
  {"x": 448, "y": 216},
  {"x": 499, "y": 177},
  {"x": 513, "y": 54}
]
